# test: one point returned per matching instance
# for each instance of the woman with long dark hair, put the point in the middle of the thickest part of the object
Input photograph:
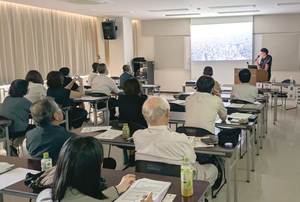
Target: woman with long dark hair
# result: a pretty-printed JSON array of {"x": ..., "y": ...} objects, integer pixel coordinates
[{"x": 78, "y": 174}]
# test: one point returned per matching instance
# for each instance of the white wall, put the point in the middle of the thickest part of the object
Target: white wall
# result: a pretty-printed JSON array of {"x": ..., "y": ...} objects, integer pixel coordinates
[
  {"x": 171, "y": 80},
  {"x": 128, "y": 40},
  {"x": 100, "y": 37}
]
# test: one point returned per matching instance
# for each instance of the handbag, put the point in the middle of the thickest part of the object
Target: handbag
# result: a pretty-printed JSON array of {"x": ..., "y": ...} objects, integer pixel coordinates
[{"x": 229, "y": 136}]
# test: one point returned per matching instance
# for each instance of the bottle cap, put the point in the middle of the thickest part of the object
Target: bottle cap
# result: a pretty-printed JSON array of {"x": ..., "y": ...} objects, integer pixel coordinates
[
  {"x": 186, "y": 159},
  {"x": 125, "y": 124},
  {"x": 46, "y": 155}
]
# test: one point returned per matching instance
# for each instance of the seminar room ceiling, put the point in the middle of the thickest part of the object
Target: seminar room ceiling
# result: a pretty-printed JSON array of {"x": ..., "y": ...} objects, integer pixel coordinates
[{"x": 167, "y": 9}]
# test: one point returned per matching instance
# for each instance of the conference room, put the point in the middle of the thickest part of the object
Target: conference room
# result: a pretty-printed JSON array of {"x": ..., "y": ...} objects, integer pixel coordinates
[{"x": 174, "y": 42}]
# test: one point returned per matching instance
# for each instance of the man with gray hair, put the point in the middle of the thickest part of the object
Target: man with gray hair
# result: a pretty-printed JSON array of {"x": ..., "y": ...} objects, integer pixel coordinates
[
  {"x": 126, "y": 75},
  {"x": 160, "y": 144},
  {"x": 48, "y": 136}
]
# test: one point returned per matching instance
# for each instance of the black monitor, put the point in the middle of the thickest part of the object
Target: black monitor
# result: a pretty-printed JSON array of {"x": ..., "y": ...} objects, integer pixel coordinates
[{"x": 252, "y": 67}]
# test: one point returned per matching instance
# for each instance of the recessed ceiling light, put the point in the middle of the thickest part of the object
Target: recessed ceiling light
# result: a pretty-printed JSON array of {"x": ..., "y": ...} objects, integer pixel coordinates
[
  {"x": 89, "y": 2},
  {"x": 232, "y": 12},
  {"x": 288, "y": 4},
  {"x": 233, "y": 6},
  {"x": 183, "y": 14},
  {"x": 169, "y": 10}
]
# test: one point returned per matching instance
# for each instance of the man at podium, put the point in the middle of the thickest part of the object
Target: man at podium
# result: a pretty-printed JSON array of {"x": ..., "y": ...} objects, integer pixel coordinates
[{"x": 265, "y": 62}]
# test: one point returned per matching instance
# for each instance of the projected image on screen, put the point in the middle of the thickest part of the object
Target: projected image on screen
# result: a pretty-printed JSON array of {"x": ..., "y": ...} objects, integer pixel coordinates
[{"x": 232, "y": 41}]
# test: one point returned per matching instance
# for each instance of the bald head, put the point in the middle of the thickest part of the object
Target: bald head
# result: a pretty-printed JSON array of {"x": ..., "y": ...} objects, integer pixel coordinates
[{"x": 156, "y": 111}]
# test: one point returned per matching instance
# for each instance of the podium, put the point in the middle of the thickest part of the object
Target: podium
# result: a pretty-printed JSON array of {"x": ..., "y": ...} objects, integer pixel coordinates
[{"x": 257, "y": 75}]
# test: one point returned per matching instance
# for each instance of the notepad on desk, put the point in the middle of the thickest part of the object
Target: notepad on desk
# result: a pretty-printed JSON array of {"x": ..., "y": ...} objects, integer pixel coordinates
[
  {"x": 110, "y": 134},
  {"x": 251, "y": 106},
  {"x": 239, "y": 116},
  {"x": 94, "y": 129},
  {"x": 235, "y": 105},
  {"x": 142, "y": 187},
  {"x": 197, "y": 141}
]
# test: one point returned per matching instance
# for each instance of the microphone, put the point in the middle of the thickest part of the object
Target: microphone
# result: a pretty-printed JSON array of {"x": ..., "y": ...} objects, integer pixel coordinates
[
  {"x": 257, "y": 57},
  {"x": 99, "y": 58}
]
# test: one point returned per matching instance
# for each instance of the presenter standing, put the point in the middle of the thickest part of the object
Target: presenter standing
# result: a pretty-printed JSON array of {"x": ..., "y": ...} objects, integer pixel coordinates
[{"x": 265, "y": 62}]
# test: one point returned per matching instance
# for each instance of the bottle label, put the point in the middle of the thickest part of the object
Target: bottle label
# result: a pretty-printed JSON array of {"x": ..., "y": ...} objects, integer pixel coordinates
[
  {"x": 125, "y": 132},
  {"x": 187, "y": 182}
]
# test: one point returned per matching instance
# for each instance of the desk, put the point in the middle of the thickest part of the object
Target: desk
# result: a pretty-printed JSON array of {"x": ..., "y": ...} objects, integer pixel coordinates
[
  {"x": 275, "y": 91},
  {"x": 95, "y": 101},
  {"x": 5, "y": 124},
  {"x": 221, "y": 151},
  {"x": 153, "y": 87},
  {"x": 179, "y": 117},
  {"x": 113, "y": 177}
]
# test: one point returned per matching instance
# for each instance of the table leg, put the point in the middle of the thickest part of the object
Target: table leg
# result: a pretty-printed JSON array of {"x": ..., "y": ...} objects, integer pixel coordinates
[
  {"x": 275, "y": 108},
  {"x": 266, "y": 115},
  {"x": 227, "y": 174},
  {"x": 235, "y": 177},
  {"x": 7, "y": 142},
  {"x": 1, "y": 198},
  {"x": 248, "y": 154},
  {"x": 262, "y": 132},
  {"x": 95, "y": 114},
  {"x": 146, "y": 91},
  {"x": 252, "y": 148},
  {"x": 158, "y": 91},
  {"x": 107, "y": 112},
  {"x": 258, "y": 134},
  {"x": 152, "y": 91},
  {"x": 183, "y": 89}
]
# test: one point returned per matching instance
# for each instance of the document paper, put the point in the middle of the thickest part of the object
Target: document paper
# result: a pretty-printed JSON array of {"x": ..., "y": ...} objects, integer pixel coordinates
[
  {"x": 14, "y": 176},
  {"x": 94, "y": 129},
  {"x": 142, "y": 187},
  {"x": 196, "y": 141},
  {"x": 110, "y": 134}
]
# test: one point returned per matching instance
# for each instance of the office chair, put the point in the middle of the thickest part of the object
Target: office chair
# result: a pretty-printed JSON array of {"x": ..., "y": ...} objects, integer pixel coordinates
[
  {"x": 282, "y": 95},
  {"x": 193, "y": 131},
  {"x": 157, "y": 168}
]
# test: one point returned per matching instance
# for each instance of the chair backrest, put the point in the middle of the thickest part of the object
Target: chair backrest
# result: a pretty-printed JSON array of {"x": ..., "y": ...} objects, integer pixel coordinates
[
  {"x": 240, "y": 101},
  {"x": 157, "y": 168},
  {"x": 288, "y": 81},
  {"x": 97, "y": 94},
  {"x": 183, "y": 96},
  {"x": 193, "y": 131},
  {"x": 132, "y": 126},
  {"x": 176, "y": 107},
  {"x": 116, "y": 80}
]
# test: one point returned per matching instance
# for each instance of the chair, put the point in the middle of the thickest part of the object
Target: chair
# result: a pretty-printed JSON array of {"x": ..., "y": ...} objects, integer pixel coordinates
[
  {"x": 4, "y": 136},
  {"x": 193, "y": 131},
  {"x": 116, "y": 80},
  {"x": 65, "y": 111},
  {"x": 176, "y": 107},
  {"x": 183, "y": 96},
  {"x": 157, "y": 168},
  {"x": 282, "y": 95}
]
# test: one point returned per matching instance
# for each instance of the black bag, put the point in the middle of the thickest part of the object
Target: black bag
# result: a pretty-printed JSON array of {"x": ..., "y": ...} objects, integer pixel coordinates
[{"x": 229, "y": 135}]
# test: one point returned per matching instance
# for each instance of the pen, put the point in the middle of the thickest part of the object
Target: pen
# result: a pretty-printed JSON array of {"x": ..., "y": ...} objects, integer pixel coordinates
[{"x": 129, "y": 139}]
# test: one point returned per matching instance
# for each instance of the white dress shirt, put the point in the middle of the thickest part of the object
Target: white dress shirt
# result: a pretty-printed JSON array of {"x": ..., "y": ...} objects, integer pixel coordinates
[
  {"x": 161, "y": 144},
  {"x": 36, "y": 92},
  {"x": 202, "y": 110},
  {"x": 104, "y": 84},
  {"x": 244, "y": 91},
  {"x": 92, "y": 75}
]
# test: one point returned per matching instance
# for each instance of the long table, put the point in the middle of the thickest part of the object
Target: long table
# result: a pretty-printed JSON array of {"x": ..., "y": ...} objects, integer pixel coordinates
[
  {"x": 112, "y": 177},
  {"x": 227, "y": 153}
]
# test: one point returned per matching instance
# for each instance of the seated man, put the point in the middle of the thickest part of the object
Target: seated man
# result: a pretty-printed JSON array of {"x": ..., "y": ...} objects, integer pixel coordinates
[
  {"x": 126, "y": 75},
  {"x": 158, "y": 143},
  {"x": 244, "y": 91},
  {"x": 209, "y": 72},
  {"x": 203, "y": 106},
  {"x": 105, "y": 85},
  {"x": 48, "y": 136}
]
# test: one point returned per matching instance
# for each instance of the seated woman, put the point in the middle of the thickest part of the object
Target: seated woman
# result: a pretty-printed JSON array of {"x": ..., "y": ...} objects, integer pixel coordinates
[
  {"x": 78, "y": 174},
  {"x": 130, "y": 104},
  {"x": 16, "y": 108},
  {"x": 63, "y": 96},
  {"x": 48, "y": 136},
  {"x": 36, "y": 88}
]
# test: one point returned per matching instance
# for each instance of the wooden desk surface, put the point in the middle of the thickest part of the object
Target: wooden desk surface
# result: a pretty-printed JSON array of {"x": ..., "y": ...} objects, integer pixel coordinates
[{"x": 112, "y": 177}]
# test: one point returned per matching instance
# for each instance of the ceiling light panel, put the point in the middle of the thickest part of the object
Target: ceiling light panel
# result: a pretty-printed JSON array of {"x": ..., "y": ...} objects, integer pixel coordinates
[
  {"x": 183, "y": 14},
  {"x": 233, "y": 6},
  {"x": 233, "y": 12},
  {"x": 89, "y": 2},
  {"x": 288, "y": 4},
  {"x": 168, "y": 10}
]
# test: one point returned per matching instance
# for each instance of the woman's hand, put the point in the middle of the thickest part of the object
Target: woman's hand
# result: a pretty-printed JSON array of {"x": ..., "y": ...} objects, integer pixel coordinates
[
  {"x": 216, "y": 92},
  {"x": 147, "y": 198},
  {"x": 126, "y": 181}
]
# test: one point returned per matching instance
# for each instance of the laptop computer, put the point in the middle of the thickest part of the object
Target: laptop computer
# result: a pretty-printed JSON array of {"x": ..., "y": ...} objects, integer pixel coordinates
[{"x": 252, "y": 67}]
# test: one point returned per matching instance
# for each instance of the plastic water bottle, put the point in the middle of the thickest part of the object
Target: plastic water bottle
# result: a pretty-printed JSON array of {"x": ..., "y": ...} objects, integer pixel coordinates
[
  {"x": 273, "y": 79},
  {"x": 46, "y": 162},
  {"x": 125, "y": 131},
  {"x": 187, "y": 187}
]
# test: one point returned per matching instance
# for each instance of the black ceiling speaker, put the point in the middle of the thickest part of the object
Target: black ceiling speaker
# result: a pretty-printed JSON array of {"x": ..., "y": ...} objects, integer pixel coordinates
[{"x": 109, "y": 30}]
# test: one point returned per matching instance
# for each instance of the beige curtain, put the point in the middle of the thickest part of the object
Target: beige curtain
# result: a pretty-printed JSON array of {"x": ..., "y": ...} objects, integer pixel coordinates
[{"x": 44, "y": 40}]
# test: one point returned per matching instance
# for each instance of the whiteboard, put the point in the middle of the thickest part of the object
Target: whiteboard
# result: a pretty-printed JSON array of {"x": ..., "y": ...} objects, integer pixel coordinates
[{"x": 284, "y": 49}]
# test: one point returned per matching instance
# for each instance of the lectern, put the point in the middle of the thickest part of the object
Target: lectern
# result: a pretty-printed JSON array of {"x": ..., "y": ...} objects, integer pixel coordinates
[{"x": 257, "y": 75}]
